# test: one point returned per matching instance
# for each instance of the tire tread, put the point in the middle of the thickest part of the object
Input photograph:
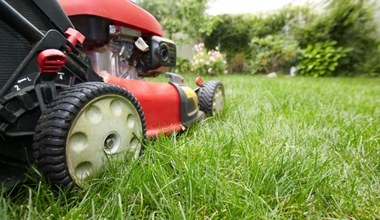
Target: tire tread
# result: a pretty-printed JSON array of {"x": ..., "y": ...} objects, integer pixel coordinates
[{"x": 54, "y": 125}]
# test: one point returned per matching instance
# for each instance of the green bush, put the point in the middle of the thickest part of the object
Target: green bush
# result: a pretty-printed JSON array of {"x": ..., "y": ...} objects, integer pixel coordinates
[
  {"x": 272, "y": 54},
  {"x": 181, "y": 16},
  {"x": 208, "y": 62},
  {"x": 321, "y": 59},
  {"x": 351, "y": 25},
  {"x": 183, "y": 66},
  {"x": 238, "y": 64},
  {"x": 372, "y": 65},
  {"x": 232, "y": 34}
]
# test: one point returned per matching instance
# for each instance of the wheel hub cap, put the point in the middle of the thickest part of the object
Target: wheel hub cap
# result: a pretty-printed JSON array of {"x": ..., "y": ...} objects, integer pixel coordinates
[
  {"x": 105, "y": 129},
  {"x": 218, "y": 101}
]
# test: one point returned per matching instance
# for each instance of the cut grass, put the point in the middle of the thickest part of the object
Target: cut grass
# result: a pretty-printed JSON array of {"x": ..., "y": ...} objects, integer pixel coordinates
[{"x": 283, "y": 148}]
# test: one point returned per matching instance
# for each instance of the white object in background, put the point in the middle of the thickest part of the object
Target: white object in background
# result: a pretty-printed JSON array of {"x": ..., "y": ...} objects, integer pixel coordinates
[
  {"x": 293, "y": 71},
  {"x": 272, "y": 75}
]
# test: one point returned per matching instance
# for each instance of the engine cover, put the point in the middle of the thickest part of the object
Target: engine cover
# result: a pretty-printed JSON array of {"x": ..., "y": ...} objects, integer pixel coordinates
[{"x": 120, "y": 12}]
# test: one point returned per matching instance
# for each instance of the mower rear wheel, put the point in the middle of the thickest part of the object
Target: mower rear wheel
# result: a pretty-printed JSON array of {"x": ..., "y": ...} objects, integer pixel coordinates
[
  {"x": 211, "y": 98},
  {"x": 83, "y": 129}
]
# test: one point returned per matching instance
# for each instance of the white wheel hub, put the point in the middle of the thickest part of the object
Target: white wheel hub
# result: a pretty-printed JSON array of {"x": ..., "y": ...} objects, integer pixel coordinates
[
  {"x": 105, "y": 129},
  {"x": 218, "y": 101}
]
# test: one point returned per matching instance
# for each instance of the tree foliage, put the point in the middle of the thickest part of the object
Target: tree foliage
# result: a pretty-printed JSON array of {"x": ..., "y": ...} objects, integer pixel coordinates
[
  {"x": 272, "y": 53},
  {"x": 351, "y": 25},
  {"x": 180, "y": 16},
  {"x": 232, "y": 34}
]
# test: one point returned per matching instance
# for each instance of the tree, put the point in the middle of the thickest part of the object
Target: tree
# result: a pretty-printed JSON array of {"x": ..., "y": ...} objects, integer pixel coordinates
[
  {"x": 181, "y": 16},
  {"x": 232, "y": 34}
]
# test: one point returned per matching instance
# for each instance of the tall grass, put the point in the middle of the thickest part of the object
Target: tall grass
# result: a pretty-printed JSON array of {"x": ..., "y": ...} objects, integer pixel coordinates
[{"x": 284, "y": 148}]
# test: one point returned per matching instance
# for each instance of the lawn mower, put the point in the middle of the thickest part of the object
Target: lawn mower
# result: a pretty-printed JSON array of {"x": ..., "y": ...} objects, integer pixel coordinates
[{"x": 73, "y": 94}]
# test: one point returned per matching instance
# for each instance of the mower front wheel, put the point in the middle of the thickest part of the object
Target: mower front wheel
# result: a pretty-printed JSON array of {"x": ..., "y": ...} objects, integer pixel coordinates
[
  {"x": 83, "y": 129},
  {"x": 211, "y": 98}
]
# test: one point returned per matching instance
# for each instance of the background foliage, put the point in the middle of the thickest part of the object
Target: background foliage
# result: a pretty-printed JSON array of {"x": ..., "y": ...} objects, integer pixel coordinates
[
  {"x": 181, "y": 16},
  {"x": 210, "y": 62},
  {"x": 349, "y": 24},
  {"x": 232, "y": 34},
  {"x": 272, "y": 53},
  {"x": 321, "y": 59}
]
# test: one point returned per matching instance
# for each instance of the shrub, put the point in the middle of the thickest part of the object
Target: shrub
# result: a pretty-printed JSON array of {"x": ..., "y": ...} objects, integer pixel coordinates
[
  {"x": 321, "y": 59},
  {"x": 238, "y": 64},
  {"x": 272, "y": 53},
  {"x": 372, "y": 65},
  {"x": 232, "y": 34},
  {"x": 351, "y": 25},
  {"x": 183, "y": 66},
  {"x": 208, "y": 62}
]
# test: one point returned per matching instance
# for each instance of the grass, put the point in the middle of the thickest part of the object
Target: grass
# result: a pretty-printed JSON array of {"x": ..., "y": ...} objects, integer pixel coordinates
[{"x": 284, "y": 148}]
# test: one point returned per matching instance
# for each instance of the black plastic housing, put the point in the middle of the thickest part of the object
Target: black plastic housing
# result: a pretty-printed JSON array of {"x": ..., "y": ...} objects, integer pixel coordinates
[
  {"x": 162, "y": 53},
  {"x": 96, "y": 29},
  {"x": 28, "y": 27}
]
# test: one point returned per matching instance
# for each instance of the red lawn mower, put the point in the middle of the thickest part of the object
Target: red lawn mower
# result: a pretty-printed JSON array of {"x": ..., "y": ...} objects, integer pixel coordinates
[{"x": 72, "y": 94}]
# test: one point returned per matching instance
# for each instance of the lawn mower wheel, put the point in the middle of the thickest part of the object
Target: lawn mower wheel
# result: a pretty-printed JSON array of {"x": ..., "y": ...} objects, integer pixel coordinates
[
  {"x": 211, "y": 98},
  {"x": 84, "y": 128}
]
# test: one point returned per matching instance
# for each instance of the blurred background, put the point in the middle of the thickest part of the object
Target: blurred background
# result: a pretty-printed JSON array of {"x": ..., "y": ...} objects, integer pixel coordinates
[{"x": 309, "y": 37}]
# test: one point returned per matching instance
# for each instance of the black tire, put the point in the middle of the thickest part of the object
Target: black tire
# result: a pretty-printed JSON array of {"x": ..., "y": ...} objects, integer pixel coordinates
[
  {"x": 83, "y": 128},
  {"x": 211, "y": 98}
]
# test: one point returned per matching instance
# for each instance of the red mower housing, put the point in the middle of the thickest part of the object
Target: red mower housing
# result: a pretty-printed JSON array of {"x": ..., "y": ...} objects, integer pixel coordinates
[
  {"x": 168, "y": 107},
  {"x": 120, "y": 12},
  {"x": 160, "y": 103}
]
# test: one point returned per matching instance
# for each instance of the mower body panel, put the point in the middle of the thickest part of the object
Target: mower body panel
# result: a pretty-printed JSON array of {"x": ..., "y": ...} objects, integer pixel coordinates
[
  {"x": 121, "y": 12},
  {"x": 168, "y": 107}
]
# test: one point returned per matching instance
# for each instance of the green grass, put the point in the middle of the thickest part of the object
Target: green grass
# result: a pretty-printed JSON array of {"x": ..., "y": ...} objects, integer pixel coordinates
[{"x": 284, "y": 148}]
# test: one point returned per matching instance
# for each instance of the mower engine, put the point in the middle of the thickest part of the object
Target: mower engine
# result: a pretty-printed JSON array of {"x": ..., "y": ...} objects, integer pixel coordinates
[{"x": 122, "y": 51}]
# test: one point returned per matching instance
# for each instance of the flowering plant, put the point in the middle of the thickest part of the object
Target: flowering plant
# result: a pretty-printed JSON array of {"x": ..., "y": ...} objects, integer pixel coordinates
[{"x": 208, "y": 62}]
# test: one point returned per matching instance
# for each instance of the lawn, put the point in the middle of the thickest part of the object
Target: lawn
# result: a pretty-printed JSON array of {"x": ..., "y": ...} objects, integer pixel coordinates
[{"x": 300, "y": 148}]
